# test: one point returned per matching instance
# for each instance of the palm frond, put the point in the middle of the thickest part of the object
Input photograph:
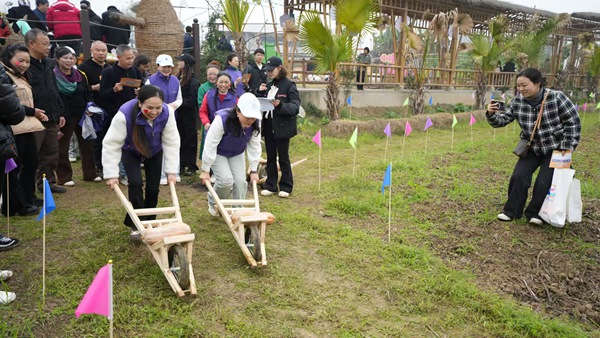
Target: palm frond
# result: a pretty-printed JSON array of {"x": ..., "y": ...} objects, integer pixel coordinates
[
  {"x": 357, "y": 16},
  {"x": 464, "y": 22},
  {"x": 313, "y": 32}
]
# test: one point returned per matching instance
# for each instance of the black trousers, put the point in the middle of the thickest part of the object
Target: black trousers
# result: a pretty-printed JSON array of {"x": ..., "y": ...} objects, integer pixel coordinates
[
  {"x": 186, "y": 124},
  {"x": 520, "y": 182},
  {"x": 153, "y": 168},
  {"x": 97, "y": 144},
  {"x": 360, "y": 77},
  {"x": 277, "y": 147},
  {"x": 21, "y": 180}
]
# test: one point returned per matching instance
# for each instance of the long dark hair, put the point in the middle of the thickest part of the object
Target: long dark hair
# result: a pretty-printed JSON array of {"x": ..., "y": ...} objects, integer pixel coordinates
[
  {"x": 185, "y": 74},
  {"x": 9, "y": 52},
  {"x": 233, "y": 123},
  {"x": 138, "y": 134}
]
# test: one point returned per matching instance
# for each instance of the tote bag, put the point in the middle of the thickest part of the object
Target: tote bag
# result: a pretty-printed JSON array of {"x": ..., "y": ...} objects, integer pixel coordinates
[
  {"x": 554, "y": 208},
  {"x": 574, "y": 204}
]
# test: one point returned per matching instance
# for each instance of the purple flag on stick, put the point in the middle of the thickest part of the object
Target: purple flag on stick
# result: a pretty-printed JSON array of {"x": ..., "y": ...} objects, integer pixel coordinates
[
  {"x": 428, "y": 124},
  {"x": 388, "y": 130},
  {"x": 10, "y": 165}
]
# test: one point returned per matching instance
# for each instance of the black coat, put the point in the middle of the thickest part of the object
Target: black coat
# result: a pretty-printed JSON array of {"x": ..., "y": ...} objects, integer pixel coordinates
[
  {"x": 189, "y": 93},
  {"x": 284, "y": 115},
  {"x": 40, "y": 76},
  {"x": 114, "y": 32},
  {"x": 16, "y": 13},
  {"x": 95, "y": 28},
  {"x": 257, "y": 76}
]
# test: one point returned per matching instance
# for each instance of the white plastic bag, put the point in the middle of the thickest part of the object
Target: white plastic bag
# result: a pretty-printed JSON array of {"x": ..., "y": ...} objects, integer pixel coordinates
[
  {"x": 574, "y": 205},
  {"x": 554, "y": 209}
]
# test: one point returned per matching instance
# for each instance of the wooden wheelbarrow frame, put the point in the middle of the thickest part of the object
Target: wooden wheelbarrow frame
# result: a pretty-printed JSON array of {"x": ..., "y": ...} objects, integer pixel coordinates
[
  {"x": 262, "y": 169},
  {"x": 255, "y": 220},
  {"x": 160, "y": 249}
]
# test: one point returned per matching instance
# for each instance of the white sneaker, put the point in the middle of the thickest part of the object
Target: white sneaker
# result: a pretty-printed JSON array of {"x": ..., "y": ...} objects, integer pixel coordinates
[
  {"x": 284, "y": 194},
  {"x": 504, "y": 218},
  {"x": 72, "y": 159},
  {"x": 124, "y": 181},
  {"x": 212, "y": 211},
  {"x": 266, "y": 192},
  {"x": 163, "y": 181},
  {"x": 98, "y": 179},
  {"x": 69, "y": 184},
  {"x": 5, "y": 274},
  {"x": 536, "y": 221},
  {"x": 7, "y": 297},
  {"x": 178, "y": 178}
]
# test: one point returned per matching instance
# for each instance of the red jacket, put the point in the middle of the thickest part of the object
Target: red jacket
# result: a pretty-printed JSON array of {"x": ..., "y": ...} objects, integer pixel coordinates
[{"x": 58, "y": 16}]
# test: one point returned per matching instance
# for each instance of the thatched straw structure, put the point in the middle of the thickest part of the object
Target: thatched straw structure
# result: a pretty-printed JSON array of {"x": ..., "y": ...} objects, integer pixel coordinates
[{"x": 162, "y": 32}]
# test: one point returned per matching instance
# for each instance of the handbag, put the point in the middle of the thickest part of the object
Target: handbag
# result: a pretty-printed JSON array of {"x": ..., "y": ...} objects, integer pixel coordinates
[
  {"x": 8, "y": 148},
  {"x": 523, "y": 146},
  {"x": 30, "y": 124},
  {"x": 554, "y": 208}
]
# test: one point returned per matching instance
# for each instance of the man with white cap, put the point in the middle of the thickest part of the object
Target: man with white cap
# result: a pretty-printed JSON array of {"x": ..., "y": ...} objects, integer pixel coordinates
[{"x": 233, "y": 131}]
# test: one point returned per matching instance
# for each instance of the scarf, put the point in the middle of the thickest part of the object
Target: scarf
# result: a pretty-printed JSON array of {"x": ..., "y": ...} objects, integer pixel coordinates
[
  {"x": 67, "y": 84},
  {"x": 534, "y": 101}
]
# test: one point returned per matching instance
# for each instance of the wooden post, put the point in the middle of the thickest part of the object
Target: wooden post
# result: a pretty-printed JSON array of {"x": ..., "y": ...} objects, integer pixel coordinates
[
  {"x": 453, "y": 55},
  {"x": 401, "y": 61},
  {"x": 394, "y": 45},
  {"x": 196, "y": 34},
  {"x": 85, "y": 32}
]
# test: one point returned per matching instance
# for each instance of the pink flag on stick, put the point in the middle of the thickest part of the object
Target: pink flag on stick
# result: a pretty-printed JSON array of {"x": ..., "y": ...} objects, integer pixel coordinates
[
  {"x": 428, "y": 124},
  {"x": 472, "y": 121},
  {"x": 317, "y": 138},
  {"x": 584, "y": 107},
  {"x": 388, "y": 130},
  {"x": 10, "y": 165},
  {"x": 407, "y": 129},
  {"x": 98, "y": 298}
]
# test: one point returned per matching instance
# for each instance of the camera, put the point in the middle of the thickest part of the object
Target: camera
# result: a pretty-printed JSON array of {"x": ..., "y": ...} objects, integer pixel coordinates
[{"x": 500, "y": 104}]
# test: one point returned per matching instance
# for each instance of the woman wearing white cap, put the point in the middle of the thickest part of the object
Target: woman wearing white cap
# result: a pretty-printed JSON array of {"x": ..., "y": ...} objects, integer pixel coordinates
[
  {"x": 233, "y": 131},
  {"x": 171, "y": 89}
]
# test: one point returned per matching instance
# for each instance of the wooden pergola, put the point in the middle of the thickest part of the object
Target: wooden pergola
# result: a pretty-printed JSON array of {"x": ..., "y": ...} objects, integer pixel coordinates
[{"x": 481, "y": 11}]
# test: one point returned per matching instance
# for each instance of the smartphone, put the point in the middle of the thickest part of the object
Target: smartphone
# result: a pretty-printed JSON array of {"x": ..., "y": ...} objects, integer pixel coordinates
[{"x": 500, "y": 104}]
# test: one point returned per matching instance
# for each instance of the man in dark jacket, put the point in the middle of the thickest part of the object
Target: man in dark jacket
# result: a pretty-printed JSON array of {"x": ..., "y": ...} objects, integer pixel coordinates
[
  {"x": 11, "y": 113},
  {"x": 95, "y": 20},
  {"x": 188, "y": 41},
  {"x": 41, "y": 7},
  {"x": 115, "y": 33},
  {"x": 113, "y": 94},
  {"x": 23, "y": 11},
  {"x": 40, "y": 76},
  {"x": 93, "y": 68},
  {"x": 258, "y": 73}
]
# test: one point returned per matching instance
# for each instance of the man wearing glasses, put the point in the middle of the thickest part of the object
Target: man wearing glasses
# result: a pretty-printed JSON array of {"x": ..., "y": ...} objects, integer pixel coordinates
[{"x": 45, "y": 97}]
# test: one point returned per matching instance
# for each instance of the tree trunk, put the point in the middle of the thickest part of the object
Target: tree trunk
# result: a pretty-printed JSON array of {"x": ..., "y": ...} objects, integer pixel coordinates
[
  {"x": 240, "y": 49},
  {"x": 332, "y": 93},
  {"x": 481, "y": 89}
]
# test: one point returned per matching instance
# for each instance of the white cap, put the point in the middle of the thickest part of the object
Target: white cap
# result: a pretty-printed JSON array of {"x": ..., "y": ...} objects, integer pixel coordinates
[
  {"x": 164, "y": 60},
  {"x": 249, "y": 106}
]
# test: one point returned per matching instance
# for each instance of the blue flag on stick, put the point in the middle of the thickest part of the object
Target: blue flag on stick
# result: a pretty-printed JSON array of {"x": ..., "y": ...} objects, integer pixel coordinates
[
  {"x": 387, "y": 179},
  {"x": 431, "y": 101},
  {"x": 49, "y": 201},
  {"x": 349, "y": 101}
]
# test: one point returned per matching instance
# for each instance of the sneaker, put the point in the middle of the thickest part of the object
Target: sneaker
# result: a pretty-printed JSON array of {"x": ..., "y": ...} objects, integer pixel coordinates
[
  {"x": 177, "y": 178},
  {"x": 7, "y": 297},
  {"x": 212, "y": 211},
  {"x": 535, "y": 221},
  {"x": 284, "y": 194},
  {"x": 98, "y": 179},
  {"x": 135, "y": 235},
  {"x": 124, "y": 181},
  {"x": 266, "y": 192},
  {"x": 57, "y": 190},
  {"x": 7, "y": 243},
  {"x": 502, "y": 217},
  {"x": 69, "y": 184},
  {"x": 28, "y": 211},
  {"x": 163, "y": 181},
  {"x": 72, "y": 159},
  {"x": 5, "y": 274},
  {"x": 188, "y": 172}
]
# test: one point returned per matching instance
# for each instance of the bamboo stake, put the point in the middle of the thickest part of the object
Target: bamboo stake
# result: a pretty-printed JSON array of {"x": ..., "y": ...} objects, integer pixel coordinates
[
  {"x": 44, "y": 241},
  {"x": 390, "y": 208}
]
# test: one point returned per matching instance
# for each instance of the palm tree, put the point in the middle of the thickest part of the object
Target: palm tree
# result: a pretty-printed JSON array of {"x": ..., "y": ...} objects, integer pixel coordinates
[
  {"x": 235, "y": 16},
  {"x": 485, "y": 51},
  {"x": 328, "y": 49}
]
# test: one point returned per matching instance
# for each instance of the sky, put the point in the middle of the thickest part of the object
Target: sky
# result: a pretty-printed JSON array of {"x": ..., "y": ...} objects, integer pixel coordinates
[{"x": 561, "y": 6}]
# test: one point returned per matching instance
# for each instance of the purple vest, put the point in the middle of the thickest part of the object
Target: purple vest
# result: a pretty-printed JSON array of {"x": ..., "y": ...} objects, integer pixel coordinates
[
  {"x": 232, "y": 145},
  {"x": 215, "y": 104},
  {"x": 153, "y": 133},
  {"x": 169, "y": 85},
  {"x": 235, "y": 74}
]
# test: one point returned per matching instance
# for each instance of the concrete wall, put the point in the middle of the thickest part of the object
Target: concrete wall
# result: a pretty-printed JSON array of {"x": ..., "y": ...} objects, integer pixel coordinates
[{"x": 390, "y": 97}]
